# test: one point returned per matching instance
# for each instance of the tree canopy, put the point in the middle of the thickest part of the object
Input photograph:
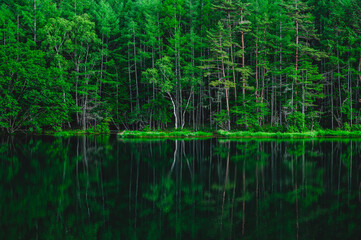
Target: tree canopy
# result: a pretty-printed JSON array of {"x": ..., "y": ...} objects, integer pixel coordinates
[{"x": 278, "y": 65}]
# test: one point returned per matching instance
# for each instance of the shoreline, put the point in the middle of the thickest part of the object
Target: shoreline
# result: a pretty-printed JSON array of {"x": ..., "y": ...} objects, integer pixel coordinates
[
  {"x": 240, "y": 134},
  {"x": 187, "y": 134}
]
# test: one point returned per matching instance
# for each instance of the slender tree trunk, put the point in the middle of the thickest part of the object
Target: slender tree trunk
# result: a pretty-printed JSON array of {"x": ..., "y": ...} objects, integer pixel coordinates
[
  {"x": 135, "y": 69},
  {"x": 232, "y": 59},
  {"x": 339, "y": 86},
  {"x": 76, "y": 92},
  {"x": 264, "y": 65},
  {"x": 35, "y": 21},
  {"x": 257, "y": 84},
  {"x": 280, "y": 84},
  {"x": 243, "y": 63},
  {"x": 350, "y": 90},
  {"x": 331, "y": 98},
  {"x": 226, "y": 89},
  {"x": 130, "y": 83},
  {"x": 174, "y": 111},
  {"x": 303, "y": 102}
]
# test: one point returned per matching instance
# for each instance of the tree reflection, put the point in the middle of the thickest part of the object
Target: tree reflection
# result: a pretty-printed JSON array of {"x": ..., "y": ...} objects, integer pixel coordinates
[{"x": 101, "y": 187}]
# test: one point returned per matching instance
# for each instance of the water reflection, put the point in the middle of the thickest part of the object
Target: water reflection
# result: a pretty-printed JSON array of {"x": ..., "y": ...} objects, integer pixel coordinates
[{"x": 105, "y": 188}]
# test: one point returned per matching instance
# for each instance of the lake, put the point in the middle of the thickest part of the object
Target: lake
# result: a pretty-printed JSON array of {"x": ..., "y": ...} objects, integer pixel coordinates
[{"x": 103, "y": 187}]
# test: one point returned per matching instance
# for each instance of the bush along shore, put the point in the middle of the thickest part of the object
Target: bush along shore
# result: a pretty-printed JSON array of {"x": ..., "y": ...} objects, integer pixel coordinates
[
  {"x": 240, "y": 134},
  {"x": 163, "y": 134}
]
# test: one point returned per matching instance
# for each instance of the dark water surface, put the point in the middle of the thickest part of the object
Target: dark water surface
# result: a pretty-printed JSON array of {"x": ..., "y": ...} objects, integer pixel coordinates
[{"x": 108, "y": 188}]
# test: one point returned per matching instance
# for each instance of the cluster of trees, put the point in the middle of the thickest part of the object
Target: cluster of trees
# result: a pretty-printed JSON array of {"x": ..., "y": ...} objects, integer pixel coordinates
[{"x": 202, "y": 64}]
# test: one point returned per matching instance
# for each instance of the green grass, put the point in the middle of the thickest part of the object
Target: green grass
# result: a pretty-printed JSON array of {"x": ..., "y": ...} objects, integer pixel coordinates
[
  {"x": 219, "y": 133},
  {"x": 241, "y": 134},
  {"x": 155, "y": 134},
  {"x": 69, "y": 133},
  {"x": 313, "y": 134}
]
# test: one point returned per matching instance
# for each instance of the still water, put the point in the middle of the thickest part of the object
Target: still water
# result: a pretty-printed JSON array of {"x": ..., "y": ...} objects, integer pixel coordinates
[{"x": 100, "y": 187}]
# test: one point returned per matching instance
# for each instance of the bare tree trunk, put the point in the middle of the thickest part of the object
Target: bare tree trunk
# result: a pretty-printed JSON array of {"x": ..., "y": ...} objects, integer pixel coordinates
[
  {"x": 135, "y": 69},
  {"x": 227, "y": 98},
  {"x": 332, "y": 112},
  {"x": 280, "y": 84},
  {"x": 174, "y": 111},
  {"x": 264, "y": 65},
  {"x": 243, "y": 63},
  {"x": 350, "y": 91},
  {"x": 130, "y": 83},
  {"x": 257, "y": 84},
  {"x": 339, "y": 85},
  {"x": 76, "y": 92},
  {"x": 232, "y": 60},
  {"x": 35, "y": 21}
]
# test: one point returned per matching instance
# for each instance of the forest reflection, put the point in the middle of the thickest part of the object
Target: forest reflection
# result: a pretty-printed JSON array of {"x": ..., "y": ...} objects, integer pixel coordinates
[{"x": 102, "y": 187}]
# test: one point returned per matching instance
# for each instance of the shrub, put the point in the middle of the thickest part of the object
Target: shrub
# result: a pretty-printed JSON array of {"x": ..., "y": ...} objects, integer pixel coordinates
[
  {"x": 346, "y": 127},
  {"x": 296, "y": 122}
]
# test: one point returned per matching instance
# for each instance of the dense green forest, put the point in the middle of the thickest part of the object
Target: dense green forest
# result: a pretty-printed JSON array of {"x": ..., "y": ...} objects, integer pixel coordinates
[{"x": 273, "y": 65}]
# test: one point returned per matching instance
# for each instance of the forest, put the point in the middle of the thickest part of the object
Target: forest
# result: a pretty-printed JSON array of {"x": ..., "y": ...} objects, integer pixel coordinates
[{"x": 255, "y": 65}]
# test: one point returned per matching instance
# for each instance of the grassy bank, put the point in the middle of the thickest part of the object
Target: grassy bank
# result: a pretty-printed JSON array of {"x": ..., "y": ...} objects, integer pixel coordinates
[
  {"x": 69, "y": 133},
  {"x": 314, "y": 134},
  {"x": 240, "y": 134},
  {"x": 161, "y": 134}
]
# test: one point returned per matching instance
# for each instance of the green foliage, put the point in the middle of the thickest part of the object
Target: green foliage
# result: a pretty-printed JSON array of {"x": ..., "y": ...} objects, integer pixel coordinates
[
  {"x": 103, "y": 127},
  {"x": 296, "y": 122},
  {"x": 250, "y": 114},
  {"x": 222, "y": 119},
  {"x": 257, "y": 66},
  {"x": 346, "y": 127},
  {"x": 163, "y": 75}
]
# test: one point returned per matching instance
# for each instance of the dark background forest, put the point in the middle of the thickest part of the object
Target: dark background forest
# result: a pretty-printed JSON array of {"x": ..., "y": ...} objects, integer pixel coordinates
[{"x": 271, "y": 65}]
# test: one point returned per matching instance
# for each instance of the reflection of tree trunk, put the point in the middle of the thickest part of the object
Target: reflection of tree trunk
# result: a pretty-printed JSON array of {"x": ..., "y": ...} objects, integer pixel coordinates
[
  {"x": 296, "y": 192},
  {"x": 233, "y": 196},
  {"x": 191, "y": 171},
  {"x": 136, "y": 194},
  {"x": 210, "y": 172},
  {"x": 77, "y": 171},
  {"x": 85, "y": 161},
  {"x": 179, "y": 189},
  {"x": 339, "y": 179},
  {"x": 102, "y": 188},
  {"x": 130, "y": 182},
  {"x": 297, "y": 225},
  {"x": 244, "y": 198},
  {"x": 174, "y": 157},
  {"x": 350, "y": 174},
  {"x": 59, "y": 212},
  {"x": 331, "y": 187},
  {"x": 303, "y": 167},
  {"x": 225, "y": 184},
  {"x": 257, "y": 189}
]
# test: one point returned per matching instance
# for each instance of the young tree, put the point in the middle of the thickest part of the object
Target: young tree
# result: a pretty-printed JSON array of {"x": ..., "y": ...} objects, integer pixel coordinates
[{"x": 217, "y": 66}]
